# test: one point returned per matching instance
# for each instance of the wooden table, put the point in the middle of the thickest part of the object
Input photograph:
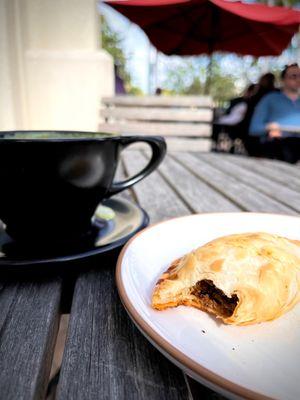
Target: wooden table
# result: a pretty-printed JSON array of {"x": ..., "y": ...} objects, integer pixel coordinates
[{"x": 105, "y": 356}]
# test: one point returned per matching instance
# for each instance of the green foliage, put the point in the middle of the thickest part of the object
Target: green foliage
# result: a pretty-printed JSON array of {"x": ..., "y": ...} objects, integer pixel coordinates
[
  {"x": 222, "y": 87},
  {"x": 285, "y": 3},
  {"x": 134, "y": 90},
  {"x": 195, "y": 87},
  {"x": 112, "y": 43},
  {"x": 179, "y": 77},
  {"x": 192, "y": 79}
]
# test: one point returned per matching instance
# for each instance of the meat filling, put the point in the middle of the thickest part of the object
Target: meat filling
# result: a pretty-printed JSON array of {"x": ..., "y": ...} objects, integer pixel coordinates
[{"x": 213, "y": 299}]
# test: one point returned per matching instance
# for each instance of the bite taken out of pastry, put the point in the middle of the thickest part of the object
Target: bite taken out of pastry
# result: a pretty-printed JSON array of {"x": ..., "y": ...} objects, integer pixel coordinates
[{"x": 243, "y": 279}]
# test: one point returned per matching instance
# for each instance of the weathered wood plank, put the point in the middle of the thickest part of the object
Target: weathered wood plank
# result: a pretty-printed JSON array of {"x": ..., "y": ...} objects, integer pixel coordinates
[
  {"x": 199, "y": 196},
  {"x": 270, "y": 171},
  {"x": 245, "y": 197},
  {"x": 133, "y": 164},
  {"x": 282, "y": 166},
  {"x": 146, "y": 193},
  {"x": 28, "y": 326},
  {"x": 154, "y": 193},
  {"x": 180, "y": 144},
  {"x": 157, "y": 128},
  {"x": 161, "y": 101},
  {"x": 154, "y": 207},
  {"x": 272, "y": 189},
  {"x": 188, "y": 144},
  {"x": 120, "y": 176},
  {"x": 200, "y": 392},
  {"x": 157, "y": 114},
  {"x": 105, "y": 355}
]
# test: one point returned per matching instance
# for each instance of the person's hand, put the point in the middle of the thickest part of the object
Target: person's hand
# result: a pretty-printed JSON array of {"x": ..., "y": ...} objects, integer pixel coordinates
[
  {"x": 275, "y": 133},
  {"x": 274, "y": 130}
]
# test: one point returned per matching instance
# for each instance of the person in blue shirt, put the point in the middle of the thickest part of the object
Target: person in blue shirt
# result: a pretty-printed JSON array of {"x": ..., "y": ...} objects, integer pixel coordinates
[{"x": 276, "y": 119}]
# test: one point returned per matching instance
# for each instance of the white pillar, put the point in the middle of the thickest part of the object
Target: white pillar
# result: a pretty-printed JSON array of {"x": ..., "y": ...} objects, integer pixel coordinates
[{"x": 53, "y": 72}]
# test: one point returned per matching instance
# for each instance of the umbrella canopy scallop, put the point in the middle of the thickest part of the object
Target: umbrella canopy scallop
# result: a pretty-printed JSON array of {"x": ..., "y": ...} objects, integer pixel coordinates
[{"x": 193, "y": 27}]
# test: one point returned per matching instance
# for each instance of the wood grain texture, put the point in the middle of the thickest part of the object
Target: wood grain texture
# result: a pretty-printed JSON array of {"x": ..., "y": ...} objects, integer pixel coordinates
[
  {"x": 169, "y": 207},
  {"x": 271, "y": 171},
  {"x": 179, "y": 144},
  {"x": 154, "y": 193},
  {"x": 158, "y": 114},
  {"x": 162, "y": 101},
  {"x": 175, "y": 129},
  {"x": 188, "y": 144},
  {"x": 245, "y": 197},
  {"x": 282, "y": 166},
  {"x": 199, "y": 196},
  {"x": 273, "y": 189},
  {"x": 120, "y": 176},
  {"x": 28, "y": 326},
  {"x": 121, "y": 365},
  {"x": 106, "y": 357}
]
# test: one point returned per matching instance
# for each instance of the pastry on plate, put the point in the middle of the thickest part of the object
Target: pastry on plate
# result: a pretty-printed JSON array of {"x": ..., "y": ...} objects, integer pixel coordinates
[{"x": 242, "y": 279}]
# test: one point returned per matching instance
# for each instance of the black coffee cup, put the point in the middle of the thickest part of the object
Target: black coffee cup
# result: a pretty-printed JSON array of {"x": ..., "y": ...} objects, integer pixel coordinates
[{"x": 52, "y": 182}]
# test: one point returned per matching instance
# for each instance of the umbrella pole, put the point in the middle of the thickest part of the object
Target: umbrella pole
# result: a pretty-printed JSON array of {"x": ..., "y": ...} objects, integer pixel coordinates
[
  {"x": 208, "y": 75},
  {"x": 298, "y": 47},
  {"x": 149, "y": 68},
  {"x": 215, "y": 19}
]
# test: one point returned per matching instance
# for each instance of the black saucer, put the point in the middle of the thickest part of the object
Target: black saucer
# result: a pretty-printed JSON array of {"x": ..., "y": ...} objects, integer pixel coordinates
[{"x": 114, "y": 223}]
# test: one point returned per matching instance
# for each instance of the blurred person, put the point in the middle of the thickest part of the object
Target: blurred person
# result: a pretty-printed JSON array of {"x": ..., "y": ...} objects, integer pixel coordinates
[
  {"x": 275, "y": 111},
  {"x": 119, "y": 82},
  {"x": 233, "y": 115},
  {"x": 158, "y": 91},
  {"x": 238, "y": 107},
  {"x": 265, "y": 85}
]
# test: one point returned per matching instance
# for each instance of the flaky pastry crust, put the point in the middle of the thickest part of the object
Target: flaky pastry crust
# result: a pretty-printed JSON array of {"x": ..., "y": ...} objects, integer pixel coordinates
[{"x": 242, "y": 279}]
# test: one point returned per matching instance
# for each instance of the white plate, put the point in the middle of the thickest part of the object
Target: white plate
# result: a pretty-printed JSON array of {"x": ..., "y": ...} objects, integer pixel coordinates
[{"x": 256, "y": 361}]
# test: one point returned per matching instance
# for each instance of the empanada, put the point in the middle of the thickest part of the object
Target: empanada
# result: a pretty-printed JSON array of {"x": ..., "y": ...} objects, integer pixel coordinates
[{"x": 242, "y": 279}]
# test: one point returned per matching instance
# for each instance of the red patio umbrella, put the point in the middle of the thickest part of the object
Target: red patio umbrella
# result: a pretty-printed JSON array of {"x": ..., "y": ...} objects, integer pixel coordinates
[{"x": 193, "y": 27}]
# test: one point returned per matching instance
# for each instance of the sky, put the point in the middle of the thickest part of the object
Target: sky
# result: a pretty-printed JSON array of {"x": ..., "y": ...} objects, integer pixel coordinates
[{"x": 141, "y": 55}]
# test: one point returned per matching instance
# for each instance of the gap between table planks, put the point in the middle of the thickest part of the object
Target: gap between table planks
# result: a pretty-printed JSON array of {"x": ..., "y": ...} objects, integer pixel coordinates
[
  {"x": 29, "y": 320},
  {"x": 125, "y": 361}
]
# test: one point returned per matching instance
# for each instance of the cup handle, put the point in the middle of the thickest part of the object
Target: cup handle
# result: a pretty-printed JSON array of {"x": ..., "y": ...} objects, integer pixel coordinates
[{"x": 158, "y": 147}]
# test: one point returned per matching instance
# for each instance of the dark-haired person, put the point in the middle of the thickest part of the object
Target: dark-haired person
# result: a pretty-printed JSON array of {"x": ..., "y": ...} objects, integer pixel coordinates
[
  {"x": 265, "y": 85},
  {"x": 276, "y": 111},
  {"x": 233, "y": 116}
]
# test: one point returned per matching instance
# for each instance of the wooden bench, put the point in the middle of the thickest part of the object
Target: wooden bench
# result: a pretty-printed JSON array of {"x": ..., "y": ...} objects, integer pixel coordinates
[{"x": 185, "y": 121}]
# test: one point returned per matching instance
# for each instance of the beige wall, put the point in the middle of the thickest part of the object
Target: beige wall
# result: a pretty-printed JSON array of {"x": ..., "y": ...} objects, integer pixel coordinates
[
  {"x": 61, "y": 24},
  {"x": 6, "y": 100},
  {"x": 11, "y": 97},
  {"x": 66, "y": 88},
  {"x": 52, "y": 71}
]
